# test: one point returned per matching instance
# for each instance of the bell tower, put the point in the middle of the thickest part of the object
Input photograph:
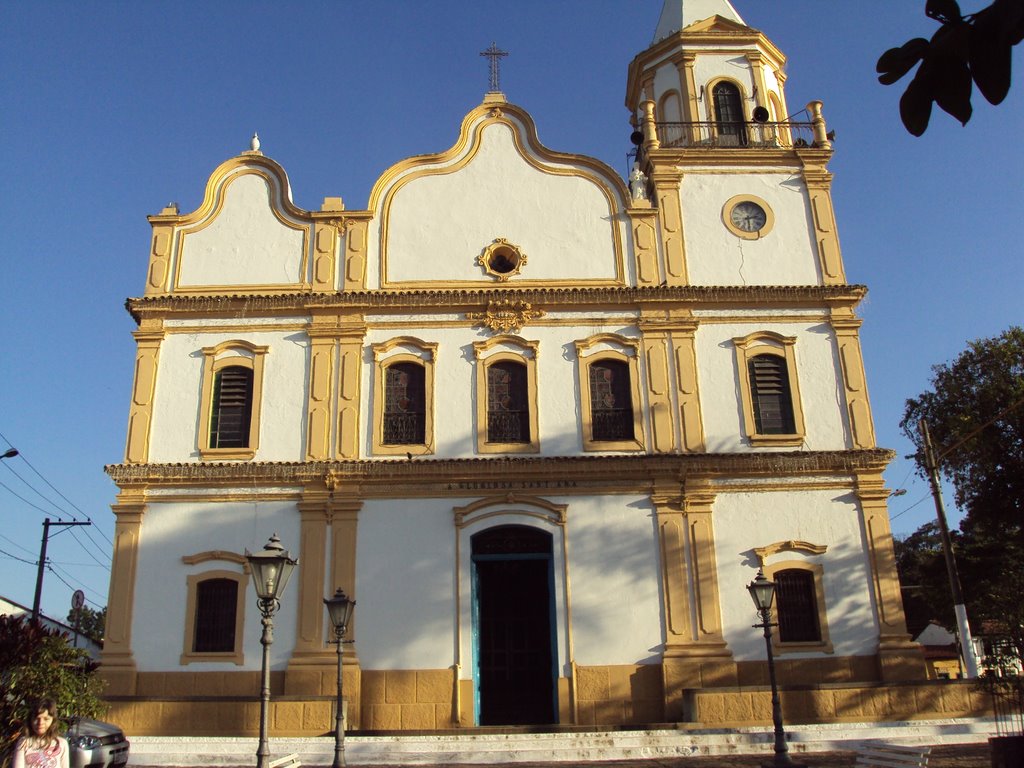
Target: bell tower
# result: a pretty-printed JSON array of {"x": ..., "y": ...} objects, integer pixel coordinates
[{"x": 706, "y": 65}]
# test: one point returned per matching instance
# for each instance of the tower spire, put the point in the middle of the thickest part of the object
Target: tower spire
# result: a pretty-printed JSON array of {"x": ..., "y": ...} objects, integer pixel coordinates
[{"x": 679, "y": 14}]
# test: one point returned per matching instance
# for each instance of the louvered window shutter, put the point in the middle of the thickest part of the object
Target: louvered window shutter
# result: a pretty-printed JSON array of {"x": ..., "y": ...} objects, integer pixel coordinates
[
  {"x": 232, "y": 408},
  {"x": 770, "y": 395}
]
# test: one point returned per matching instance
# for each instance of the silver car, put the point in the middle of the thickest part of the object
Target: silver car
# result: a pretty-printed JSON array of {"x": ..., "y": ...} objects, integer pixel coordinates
[{"x": 95, "y": 744}]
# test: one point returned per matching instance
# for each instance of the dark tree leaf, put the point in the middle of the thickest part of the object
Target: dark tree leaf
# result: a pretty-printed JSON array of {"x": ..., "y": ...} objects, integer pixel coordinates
[
  {"x": 916, "y": 105},
  {"x": 1008, "y": 16},
  {"x": 951, "y": 87},
  {"x": 990, "y": 68},
  {"x": 896, "y": 62},
  {"x": 942, "y": 10}
]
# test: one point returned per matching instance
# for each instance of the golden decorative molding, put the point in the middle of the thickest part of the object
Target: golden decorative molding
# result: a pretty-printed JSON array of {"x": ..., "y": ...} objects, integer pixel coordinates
[
  {"x": 499, "y": 473},
  {"x": 792, "y": 545},
  {"x": 217, "y": 554},
  {"x": 242, "y": 304},
  {"x": 506, "y": 316},
  {"x": 502, "y": 259}
]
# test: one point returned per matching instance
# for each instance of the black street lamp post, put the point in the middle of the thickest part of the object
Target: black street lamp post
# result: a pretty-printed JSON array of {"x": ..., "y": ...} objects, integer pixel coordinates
[
  {"x": 271, "y": 569},
  {"x": 762, "y": 592},
  {"x": 339, "y": 610}
]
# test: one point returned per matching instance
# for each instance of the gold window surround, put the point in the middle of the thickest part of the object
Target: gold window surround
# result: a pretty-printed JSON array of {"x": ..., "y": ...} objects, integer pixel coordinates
[
  {"x": 227, "y": 354},
  {"x": 234, "y": 656},
  {"x": 709, "y": 101},
  {"x": 506, "y": 349},
  {"x": 609, "y": 346},
  {"x": 403, "y": 349},
  {"x": 824, "y": 645},
  {"x": 502, "y": 259},
  {"x": 768, "y": 343}
]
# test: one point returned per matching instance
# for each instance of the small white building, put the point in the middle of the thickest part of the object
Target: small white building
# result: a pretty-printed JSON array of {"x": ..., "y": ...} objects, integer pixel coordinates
[
  {"x": 543, "y": 424},
  {"x": 75, "y": 639}
]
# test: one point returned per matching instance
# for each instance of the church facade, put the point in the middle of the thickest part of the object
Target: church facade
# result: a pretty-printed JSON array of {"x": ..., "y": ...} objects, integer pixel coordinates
[{"x": 544, "y": 443}]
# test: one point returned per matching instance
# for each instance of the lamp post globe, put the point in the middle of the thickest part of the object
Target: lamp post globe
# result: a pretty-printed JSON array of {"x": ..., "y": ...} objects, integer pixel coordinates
[
  {"x": 339, "y": 611},
  {"x": 271, "y": 568}
]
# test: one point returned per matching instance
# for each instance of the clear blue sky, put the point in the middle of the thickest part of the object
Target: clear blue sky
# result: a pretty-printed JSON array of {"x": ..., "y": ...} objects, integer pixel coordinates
[{"x": 109, "y": 110}]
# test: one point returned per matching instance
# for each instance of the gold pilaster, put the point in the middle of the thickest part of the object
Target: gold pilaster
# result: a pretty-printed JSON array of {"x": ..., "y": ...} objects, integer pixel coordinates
[
  {"x": 644, "y": 222},
  {"x": 698, "y": 500},
  {"x": 118, "y": 667},
  {"x": 851, "y": 362},
  {"x": 690, "y": 92},
  {"x": 695, "y": 655},
  {"x": 659, "y": 396},
  {"x": 757, "y": 59},
  {"x": 826, "y": 238},
  {"x": 350, "y": 359},
  {"x": 313, "y": 515},
  {"x": 325, "y": 253},
  {"x": 687, "y": 391},
  {"x": 160, "y": 256},
  {"x": 899, "y": 658},
  {"x": 670, "y": 220},
  {"x": 140, "y": 413},
  {"x": 323, "y": 341},
  {"x": 355, "y": 254}
]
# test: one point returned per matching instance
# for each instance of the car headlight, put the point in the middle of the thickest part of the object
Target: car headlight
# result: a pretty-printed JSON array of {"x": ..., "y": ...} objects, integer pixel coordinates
[{"x": 83, "y": 741}]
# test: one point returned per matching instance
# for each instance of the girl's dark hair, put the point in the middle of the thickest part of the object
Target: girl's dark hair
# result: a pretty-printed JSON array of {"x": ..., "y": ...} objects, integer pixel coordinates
[{"x": 42, "y": 705}]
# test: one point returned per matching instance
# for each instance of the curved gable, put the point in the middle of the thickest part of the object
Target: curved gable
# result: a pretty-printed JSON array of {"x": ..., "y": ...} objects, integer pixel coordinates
[
  {"x": 439, "y": 214},
  {"x": 246, "y": 234}
]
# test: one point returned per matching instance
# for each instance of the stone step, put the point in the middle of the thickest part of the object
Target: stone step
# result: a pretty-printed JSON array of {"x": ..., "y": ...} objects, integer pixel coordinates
[{"x": 440, "y": 749}]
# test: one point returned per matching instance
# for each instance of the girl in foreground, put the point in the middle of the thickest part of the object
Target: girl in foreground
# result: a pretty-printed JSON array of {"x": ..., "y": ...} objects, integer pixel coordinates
[{"x": 40, "y": 745}]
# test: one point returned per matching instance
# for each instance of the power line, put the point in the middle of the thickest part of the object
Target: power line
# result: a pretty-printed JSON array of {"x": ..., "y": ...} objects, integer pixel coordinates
[
  {"x": 37, "y": 492},
  {"x": 19, "y": 546},
  {"x": 919, "y": 501},
  {"x": 52, "y": 566},
  {"x": 18, "y": 495},
  {"x": 19, "y": 559},
  {"x": 55, "y": 490}
]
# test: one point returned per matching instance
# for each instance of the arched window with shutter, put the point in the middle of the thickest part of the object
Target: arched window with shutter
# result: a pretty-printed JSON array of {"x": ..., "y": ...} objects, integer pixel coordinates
[
  {"x": 769, "y": 389},
  {"x": 229, "y": 426},
  {"x": 729, "y": 122}
]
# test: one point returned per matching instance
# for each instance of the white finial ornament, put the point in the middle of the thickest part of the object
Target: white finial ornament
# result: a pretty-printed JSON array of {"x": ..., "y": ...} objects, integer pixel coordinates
[{"x": 254, "y": 144}]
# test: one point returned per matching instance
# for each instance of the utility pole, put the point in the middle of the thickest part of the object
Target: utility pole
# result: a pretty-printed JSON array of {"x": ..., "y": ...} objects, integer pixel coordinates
[
  {"x": 42, "y": 563},
  {"x": 963, "y": 626}
]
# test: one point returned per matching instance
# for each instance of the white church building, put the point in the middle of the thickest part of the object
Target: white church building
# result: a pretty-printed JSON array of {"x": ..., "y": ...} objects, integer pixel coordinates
[{"x": 544, "y": 431}]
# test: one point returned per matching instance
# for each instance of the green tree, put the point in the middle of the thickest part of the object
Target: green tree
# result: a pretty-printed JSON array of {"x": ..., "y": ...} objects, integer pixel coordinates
[
  {"x": 974, "y": 47},
  {"x": 37, "y": 662},
  {"x": 89, "y": 622},
  {"x": 922, "y": 572},
  {"x": 975, "y": 413}
]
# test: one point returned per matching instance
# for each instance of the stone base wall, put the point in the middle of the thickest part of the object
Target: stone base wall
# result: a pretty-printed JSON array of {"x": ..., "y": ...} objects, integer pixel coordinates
[
  {"x": 619, "y": 695},
  {"x": 842, "y": 703},
  {"x": 302, "y": 700}
]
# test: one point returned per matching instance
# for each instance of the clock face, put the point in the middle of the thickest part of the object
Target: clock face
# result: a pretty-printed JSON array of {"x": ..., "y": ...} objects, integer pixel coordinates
[{"x": 748, "y": 216}]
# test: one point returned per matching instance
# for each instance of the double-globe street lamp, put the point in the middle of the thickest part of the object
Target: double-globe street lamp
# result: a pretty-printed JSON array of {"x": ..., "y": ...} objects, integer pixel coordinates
[
  {"x": 271, "y": 568},
  {"x": 762, "y": 592},
  {"x": 339, "y": 610}
]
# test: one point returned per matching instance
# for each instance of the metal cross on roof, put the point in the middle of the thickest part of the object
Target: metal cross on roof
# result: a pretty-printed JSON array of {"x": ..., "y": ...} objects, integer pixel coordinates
[{"x": 495, "y": 54}]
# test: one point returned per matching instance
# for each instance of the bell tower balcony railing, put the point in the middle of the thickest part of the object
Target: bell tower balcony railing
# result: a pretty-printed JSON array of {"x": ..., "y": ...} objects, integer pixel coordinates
[{"x": 784, "y": 135}]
